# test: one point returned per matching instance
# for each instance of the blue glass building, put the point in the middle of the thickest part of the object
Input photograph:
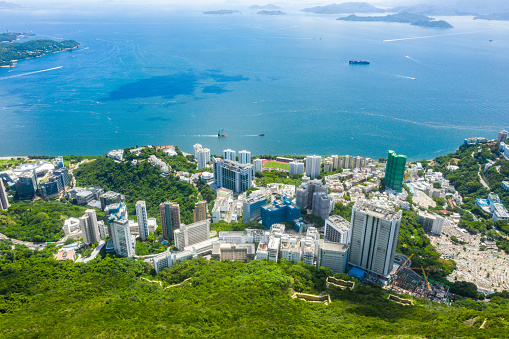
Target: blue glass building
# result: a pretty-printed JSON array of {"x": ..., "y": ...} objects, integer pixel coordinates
[{"x": 281, "y": 210}]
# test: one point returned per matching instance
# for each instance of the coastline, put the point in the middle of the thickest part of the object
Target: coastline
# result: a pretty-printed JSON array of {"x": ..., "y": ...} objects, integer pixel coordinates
[{"x": 15, "y": 62}]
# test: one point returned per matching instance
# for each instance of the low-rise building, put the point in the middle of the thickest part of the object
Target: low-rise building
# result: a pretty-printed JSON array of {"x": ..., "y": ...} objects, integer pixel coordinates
[
  {"x": 222, "y": 204},
  {"x": 233, "y": 251},
  {"x": 430, "y": 223},
  {"x": 191, "y": 234},
  {"x": 116, "y": 154},
  {"x": 167, "y": 259},
  {"x": 332, "y": 256}
]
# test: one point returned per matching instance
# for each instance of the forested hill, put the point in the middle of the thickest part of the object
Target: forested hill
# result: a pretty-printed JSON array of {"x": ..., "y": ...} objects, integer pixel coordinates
[
  {"x": 11, "y": 52},
  {"x": 43, "y": 298}
]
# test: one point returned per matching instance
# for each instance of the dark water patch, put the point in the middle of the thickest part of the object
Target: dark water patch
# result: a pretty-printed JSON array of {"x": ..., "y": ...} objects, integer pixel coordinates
[
  {"x": 167, "y": 86},
  {"x": 226, "y": 78},
  {"x": 215, "y": 89},
  {"x": 157, "y": 119}
]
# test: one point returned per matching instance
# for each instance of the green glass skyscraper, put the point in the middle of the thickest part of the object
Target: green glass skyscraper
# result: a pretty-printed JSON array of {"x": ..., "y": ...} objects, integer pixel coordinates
[{"x": 395, "y": 171}]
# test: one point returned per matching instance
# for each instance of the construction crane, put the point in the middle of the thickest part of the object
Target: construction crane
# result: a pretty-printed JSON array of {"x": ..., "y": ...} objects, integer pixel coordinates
[
  {"x": 399, "y": 269},
  {"x": 426, "y": 269},
  {"x": 426, "y": 278}
]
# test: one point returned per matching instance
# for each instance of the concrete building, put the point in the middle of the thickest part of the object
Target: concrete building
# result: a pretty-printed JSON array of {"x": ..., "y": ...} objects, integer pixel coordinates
[
  {"x": 337, "y": 230},
  {"x": 313, "y": 165},
  {"x": 502, "y": 136},
  {"x": 232, "y": 251},
  {"x": 200, "y": 211},
  {"x": 203, "y": 157},
  {"x": 374, "y": 235},
  {"x": 56, "y": 183},
  {"x": 262, "y": 252},
  {"x": 89, "y": 227},
  {"x": 258, "y": 165},
  {"x": 196, "y": 147},
  {"x": 71, "y": 225},
  {"x": 141, "y": 216},
  {"x": 281, "y": 210},
  {"x": 323, "y": 204},
  {"x": 170, "y": 218},
  {"x": 116, "y": 154},
  {"x": 395, "y": 171},
  {"x": 109, "y": 198},
  {"x": 505, "y": 185},
  {"x": 273, "y": 249},
  {"x": 229, "y": 154},
  {"x": 305, "y": 193},
  {"x": 332, "y": 256},
  {"x": 4, "y": 202},
  {"x": 245, "y": 157},
  {"x": 430, "y": 222},
  {"x": 252, "y": 207},
  {"x": 192, "y": 234},
  {"x": 233, "y": 175},
  {"x": 296, "y": 168},
  {"x": 290, "y": 248},
  {"x": 121, "y": 237},
  {"x": 167, "y": 259}
]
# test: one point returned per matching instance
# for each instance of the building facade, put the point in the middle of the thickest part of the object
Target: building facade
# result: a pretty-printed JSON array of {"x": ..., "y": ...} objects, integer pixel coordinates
[
  {"x": 374, "y": 237},
  {"x": 332, "y": 256},
  {"x": 258, "y": 164},
  {"x": 296, "y": 168},
  {"x": 4, "y": 202},
  {"x": 313, "y": 165},
  {"x": 337, "y": 230},
  {"x": 322, "y": 204},
  {"x": 232, "y": 175},
  {"x": 89, "y": 227},
  {"x": 141, "y": 216},
  {"x": 245, "y": 157},
  {"x": 170, "y": 218},
  {"x": 252, "y": 207},
  {"x": 502, "y": 136},
  {"x": 229, "y": 154},
  {"x": 203, "y": 157},
  {"x": 281, "y": 210},
  {"x": 200, "y": 211},
  {"x": 192, "y": 234},
  {"x": 395, "y": 171},
  {"x": 305, "y": 193},
  {"x": 121, "y": 237}
]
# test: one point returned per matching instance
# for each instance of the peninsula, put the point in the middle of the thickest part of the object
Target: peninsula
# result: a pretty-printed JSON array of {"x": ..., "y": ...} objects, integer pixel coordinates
[
  {"x": 412, "y": 19},
  {"x": 271, "y": 13},
  {"x": 11, "y": 52}
]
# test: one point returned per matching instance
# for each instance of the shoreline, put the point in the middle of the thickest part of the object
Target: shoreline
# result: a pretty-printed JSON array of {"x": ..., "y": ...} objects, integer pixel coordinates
[{"x": 15, "y": 62}]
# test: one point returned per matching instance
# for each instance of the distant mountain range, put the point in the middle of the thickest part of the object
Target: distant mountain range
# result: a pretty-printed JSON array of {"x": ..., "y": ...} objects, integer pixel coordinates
[
  {"x": 347, "y": 7},
  {"x": 425, "y": 9},
  {"x": 497, "y": 16},
  {"x": 8, "y": 5},
  {"x": 270, "y": 7},
  {"x": 410, "y": 18},
  {"x": 223, "y": 12}
]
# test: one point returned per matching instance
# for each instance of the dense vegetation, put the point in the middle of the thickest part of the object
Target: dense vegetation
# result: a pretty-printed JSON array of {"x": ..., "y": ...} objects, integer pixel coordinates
[
  {"x": 40, "y": 297},
  {"x": 140, "y": 182},
  {"x": 37, "y": 221},
  {"x": 267, "y": 177},
  {"x": 11, "y": 52}
]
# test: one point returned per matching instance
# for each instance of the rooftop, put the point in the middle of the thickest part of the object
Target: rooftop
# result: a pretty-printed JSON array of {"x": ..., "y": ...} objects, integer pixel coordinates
[
  {"x": 330, "y": 246},
  {"x": 378, "y": 209},
  {"x": 339, "y": 223}
]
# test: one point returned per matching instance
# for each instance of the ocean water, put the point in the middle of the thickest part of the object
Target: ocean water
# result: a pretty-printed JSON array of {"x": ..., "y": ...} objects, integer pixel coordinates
[{"x": 178, "y": 78}]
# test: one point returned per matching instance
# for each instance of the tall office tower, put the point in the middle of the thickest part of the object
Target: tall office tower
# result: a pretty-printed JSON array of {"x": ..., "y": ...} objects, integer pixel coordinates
[
  {"x": 305, "y": 191},
  {"x": 192, "y": 234},
  {"x": 89, "y": 227},
  {"x": 313, "y": 165},
  {"x": 245, "y": 157},
  {"x": 502, "y": 136},
  {"x": 296, "y": 168},
  {"x": 229, "y": 154},
  {"x": 322, "y": 204},
  {"x": 257, "y": 164},
  {"x": 232, "y": 175},
  {"x": 170, "y": 218},
  {"x": 374, "y": 235},
  {"x": 121, "y": 237},
  {"x": 395, "y": 171},
  {"x": 200, "y": 211},
  {"x": 4, "y": 202},
  {"x": 196, "y": 148},
  {"x": 203, "y": 157},
  {"x": 141, "y": 215}
]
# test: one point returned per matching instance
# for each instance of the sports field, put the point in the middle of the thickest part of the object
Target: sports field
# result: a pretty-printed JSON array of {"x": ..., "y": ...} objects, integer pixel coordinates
[{"x": 276, "y": 164}]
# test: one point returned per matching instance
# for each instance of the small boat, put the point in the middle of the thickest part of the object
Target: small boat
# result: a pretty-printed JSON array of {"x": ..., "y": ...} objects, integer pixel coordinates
[
  {"x": 261, "y": 135},
  {"x": 221, "y": 134},
  {"x": 358, "y": 62}
]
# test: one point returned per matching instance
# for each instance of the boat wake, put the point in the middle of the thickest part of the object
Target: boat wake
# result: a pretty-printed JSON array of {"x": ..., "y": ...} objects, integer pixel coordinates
[
  {"x": 405, "y": 77},
  {"x": 30, "y": 73}
]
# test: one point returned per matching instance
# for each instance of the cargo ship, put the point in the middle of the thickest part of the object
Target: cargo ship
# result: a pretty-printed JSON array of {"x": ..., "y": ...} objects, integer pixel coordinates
[
  {"x": 221, "y": 134},
  {"x": 358, "y": 62}
]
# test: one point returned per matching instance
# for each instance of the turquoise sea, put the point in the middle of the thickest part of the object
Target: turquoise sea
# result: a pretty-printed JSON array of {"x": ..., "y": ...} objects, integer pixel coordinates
[{"x": 176, "y": 78}]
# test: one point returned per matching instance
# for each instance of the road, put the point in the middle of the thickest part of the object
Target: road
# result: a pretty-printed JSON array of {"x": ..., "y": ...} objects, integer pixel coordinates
[{"x": 94, "y": 254}]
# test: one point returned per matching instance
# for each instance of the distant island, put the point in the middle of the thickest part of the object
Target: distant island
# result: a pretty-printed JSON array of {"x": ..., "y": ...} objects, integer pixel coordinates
[
  {"x": 8, "y": 5},
  {"x": 347, "y": 7},
  {"x": 266, "y": 7},
  {"x": 271, "y": 13},
  {"x": 412, "y": 19},
  {"x": 496, "y": 16},
  {"x": 425, "y": 9},
  {"x": 222, "y": 12},
  {"x": 11, "y": 52}
]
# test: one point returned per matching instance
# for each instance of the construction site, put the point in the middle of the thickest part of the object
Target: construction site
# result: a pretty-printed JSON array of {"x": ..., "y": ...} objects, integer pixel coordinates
[{"x": 406, "y": 280}]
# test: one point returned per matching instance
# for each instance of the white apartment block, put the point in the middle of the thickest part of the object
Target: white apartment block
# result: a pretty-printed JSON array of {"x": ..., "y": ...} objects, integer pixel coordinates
[
  {"x": 257, "y": 164},
  {"x": 203, "y": 157},
  {"x": 313, "y": 165},
  {"x": 89, "y": 227},
  {"x": 245, "y": 157},
  {"x": 141, "y": 216},
  {"x": 337, "y": 229},
  {"x": 191, "y": 234},
  {"x": 296, "y": 168},
  {"x": 229, "y": 154},
  {"x": 121, "y": 237}
]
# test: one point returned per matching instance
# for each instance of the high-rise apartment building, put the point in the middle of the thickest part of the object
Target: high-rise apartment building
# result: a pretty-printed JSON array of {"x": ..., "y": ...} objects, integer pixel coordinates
[
  {"x": 203, "y": 157},
  {"x": 395, "y": 171},
  {"x": 374, "y": 236},
  {"x": 121, "y": 238},
  {"x": 196, "y": 148},
  {"x": 170, "y": 218},
  {"x": 141, "y": 216},
  {"x": 251, "y": 208},
  {"x": 232, "y": 175},
  {"x": 200, "y": 211},
  {"x": 257, "y": 164},
  {"x": 296, "y": 167},
  {"x": 4, "y": 202},
  {"x": 229, "y": 154},
  {"x": 89, "y": 227},
  {"x": 192, "y": 234},
  {"x": 245, "y": 157},
  {"x": 337, "y": 230},
  {"x": 323, "y": 204},
  {"x": 306, "y": 190},
  {"x": 313, "y": 165},
  {"x": 502, "y": 136}
]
